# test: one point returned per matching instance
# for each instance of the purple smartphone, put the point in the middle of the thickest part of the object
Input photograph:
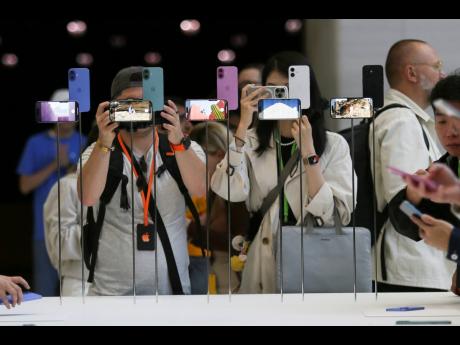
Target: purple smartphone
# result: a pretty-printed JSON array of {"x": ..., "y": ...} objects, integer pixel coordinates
[
  {"x": 227, "y": 85},
  {"x": 429, "y": 185}
]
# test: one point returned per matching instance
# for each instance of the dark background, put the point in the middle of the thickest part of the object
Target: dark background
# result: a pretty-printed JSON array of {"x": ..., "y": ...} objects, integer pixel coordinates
[{"x": 46, "y": 51}]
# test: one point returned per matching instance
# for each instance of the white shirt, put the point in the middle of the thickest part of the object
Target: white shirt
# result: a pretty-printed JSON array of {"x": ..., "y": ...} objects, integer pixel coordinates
[
  {"x": 114, "y": 266},
  {"x": 399, "y": 143}
]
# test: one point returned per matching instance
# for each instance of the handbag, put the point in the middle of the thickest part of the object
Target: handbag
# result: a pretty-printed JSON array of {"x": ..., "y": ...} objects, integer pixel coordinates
[{"x": 329, "y": 259}]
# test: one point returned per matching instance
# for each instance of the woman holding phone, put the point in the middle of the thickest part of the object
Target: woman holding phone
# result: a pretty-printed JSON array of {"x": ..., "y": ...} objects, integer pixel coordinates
[{"x": 257, "y": 158}]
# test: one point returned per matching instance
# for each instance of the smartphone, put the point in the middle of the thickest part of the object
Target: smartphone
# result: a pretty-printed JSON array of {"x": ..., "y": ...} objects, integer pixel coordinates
[
  {"x": 410, "y": 210},
  {"x": 79, "y": 88},
  {"x": 227, "y": 85},
  {"x": 352, "y": 108},
  {"x": 56, "y": 112},
  {"x": 131, "y": 111},
  {"x": 299, "y": 85},
  {"x": 445, "y": 108},
  {"x": 279, "y": 109},
  {"x": 153, "y": 85},
  {"x": 373, "y": 85},
  {"x": 27, "y": 296},
  {"x": 206, "y": 109},
  {"x": 270, "y": 91},
  {"x": 430, "y": 186}
]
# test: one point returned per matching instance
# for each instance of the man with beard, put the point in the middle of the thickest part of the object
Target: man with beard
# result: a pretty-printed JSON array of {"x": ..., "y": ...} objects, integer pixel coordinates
[{"x": 405, "y": 138}]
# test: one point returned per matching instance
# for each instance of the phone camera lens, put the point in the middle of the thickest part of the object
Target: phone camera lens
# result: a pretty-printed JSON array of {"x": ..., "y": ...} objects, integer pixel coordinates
[
  {"x": 293, "y": 69},
  {"x": 292, "y": 75},
  {"x": 72, "y": 75},
  {"x": 146, "y": 74}
]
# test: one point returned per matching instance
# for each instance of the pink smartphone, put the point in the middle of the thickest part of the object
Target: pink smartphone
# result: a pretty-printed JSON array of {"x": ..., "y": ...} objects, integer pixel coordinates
[
  {"x": 227, "y": 85},
  {"x": 430, "y": 186}
]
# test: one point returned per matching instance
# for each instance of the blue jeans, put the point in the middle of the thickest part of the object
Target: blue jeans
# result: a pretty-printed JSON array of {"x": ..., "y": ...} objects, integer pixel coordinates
[{"x": 45, "y": 281}]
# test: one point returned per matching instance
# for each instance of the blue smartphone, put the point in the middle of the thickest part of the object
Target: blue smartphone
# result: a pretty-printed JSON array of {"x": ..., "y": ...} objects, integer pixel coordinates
[
  {"x": 153, "y": 84},
  {"x": 27, "y": 296},
  {"x": 410, "y": 210},
  {"x": 79, "y": 88}
]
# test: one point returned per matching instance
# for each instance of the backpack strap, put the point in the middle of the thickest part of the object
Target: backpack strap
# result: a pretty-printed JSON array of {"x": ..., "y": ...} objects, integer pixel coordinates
[
  {"x": 170, "y": 164},
  {"x": 93, "y": 228}
]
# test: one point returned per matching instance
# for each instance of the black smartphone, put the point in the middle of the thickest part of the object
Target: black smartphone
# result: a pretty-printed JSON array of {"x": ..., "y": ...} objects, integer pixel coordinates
[{"x": 373, "y": 85}]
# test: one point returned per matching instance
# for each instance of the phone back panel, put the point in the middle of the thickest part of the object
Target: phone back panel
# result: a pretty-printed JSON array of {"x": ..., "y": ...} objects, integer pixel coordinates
[
  {"x": 153, "y": 85},
  {"x": 373, "y": 85},
  {"x": 299, "y": 85},
  {"x": 227, "y": 85},
  {"x": 79, "y": 88}
]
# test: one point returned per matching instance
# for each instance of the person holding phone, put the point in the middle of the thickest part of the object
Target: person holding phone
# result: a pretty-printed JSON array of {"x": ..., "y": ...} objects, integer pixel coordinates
[
  {"x": 256, "y": 155},
  {"x": 437, "y": 228},
  {"x": 405, "y": 138},
  {"x": 113, "y": 273},
  {"x": 38, "y": 172}
]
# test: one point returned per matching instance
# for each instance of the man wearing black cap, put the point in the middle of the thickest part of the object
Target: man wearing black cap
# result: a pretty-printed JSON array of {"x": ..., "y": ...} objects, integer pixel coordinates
[{"x": 114, "y": 270}]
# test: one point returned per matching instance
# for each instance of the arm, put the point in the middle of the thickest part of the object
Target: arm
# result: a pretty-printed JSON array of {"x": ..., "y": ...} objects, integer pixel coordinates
[
  {"x": 96, "y": 167},
  {"x": 192, "y": 168},
  {"x": 28, "y": 183},
  {"x": 70, "y": 222}
]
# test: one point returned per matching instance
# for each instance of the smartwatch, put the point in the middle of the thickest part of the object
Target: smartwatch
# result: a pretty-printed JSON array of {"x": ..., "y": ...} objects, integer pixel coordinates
[
  {"x": 184, "y": 145},
  {"x": 311, "y": 160}
]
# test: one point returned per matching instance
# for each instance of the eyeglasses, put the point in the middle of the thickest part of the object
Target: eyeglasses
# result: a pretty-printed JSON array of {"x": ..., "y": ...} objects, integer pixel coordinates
[{"x": 436, "y": 66}]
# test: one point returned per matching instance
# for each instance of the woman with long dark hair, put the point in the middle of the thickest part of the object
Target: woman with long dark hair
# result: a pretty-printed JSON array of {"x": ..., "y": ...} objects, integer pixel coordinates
[{"x": 258, "y": 155}]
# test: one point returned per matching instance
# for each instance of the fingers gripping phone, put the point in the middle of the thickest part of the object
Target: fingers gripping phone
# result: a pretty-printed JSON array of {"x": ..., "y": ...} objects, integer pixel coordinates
[
  {"x": 430, "y": 186},
  {"x": 206, "y": 109},
  {"x": 352, "y": 108},
  {"x": 56, "y": 112},
  {"x": 410, "y": 210}
]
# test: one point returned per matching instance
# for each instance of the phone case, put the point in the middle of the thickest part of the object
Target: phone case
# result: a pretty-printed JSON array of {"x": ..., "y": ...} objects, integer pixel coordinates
[
  {"x": 299, "y": 85},
  {"x": 227, "y": 85},
  {"x": 79, "y": 88},
  {"x": 153, "y": 85},
  {"x": 279, "y": 109},
  {"x": 373, "y": 84}
]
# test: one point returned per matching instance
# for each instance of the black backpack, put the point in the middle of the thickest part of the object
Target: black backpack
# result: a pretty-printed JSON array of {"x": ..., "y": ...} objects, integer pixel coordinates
[
  {"x": 364, "y": 212},
  {"x": 93, "y": 228}
]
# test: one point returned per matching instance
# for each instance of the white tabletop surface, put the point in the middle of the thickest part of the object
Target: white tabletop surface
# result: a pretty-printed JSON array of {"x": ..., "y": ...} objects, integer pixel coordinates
[{"x": 242, "y": 310}]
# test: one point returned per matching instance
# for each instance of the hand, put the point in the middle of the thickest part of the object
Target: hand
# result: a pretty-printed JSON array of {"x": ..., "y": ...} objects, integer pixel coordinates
[
  {"x": 449, "y": 185},
  {"x": 308, "y": 148},
  {"x": 175, "y": 134},
  {"x": 434, "y": 232},
  {"x": 249, "y": 104},
  {"x": 412, "y": 192},
  {"x": 455, "y": 289},
  {"x": 9, "y": 285},
  {"x": 106, "y": 127}
]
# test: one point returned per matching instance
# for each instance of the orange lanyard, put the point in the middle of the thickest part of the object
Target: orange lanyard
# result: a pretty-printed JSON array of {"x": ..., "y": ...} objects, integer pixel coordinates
[{"x": 145, "y": 200}]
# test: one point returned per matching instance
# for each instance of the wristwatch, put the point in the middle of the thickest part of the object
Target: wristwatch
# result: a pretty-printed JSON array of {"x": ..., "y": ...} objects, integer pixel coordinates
[
  {"x": 184, "y": 145},
  {"x": 311, "y": 160}
]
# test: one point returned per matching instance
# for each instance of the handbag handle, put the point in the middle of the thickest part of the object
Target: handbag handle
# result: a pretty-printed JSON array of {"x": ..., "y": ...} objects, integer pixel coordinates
[{"x": 337, "y": 222}]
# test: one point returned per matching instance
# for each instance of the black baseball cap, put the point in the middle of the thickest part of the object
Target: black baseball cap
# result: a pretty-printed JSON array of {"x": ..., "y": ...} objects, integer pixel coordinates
[{"x": 126, "y": 78}]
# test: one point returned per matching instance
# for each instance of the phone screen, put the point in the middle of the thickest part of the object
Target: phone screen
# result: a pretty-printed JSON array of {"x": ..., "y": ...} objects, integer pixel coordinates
[
  {"x": 279, "y": 109},
  {"x": 130, "y": 111},
  {"x": 54, "y": 112},
  {"x": 352, "y": 108},
  {"x": 206, "y": 109}
]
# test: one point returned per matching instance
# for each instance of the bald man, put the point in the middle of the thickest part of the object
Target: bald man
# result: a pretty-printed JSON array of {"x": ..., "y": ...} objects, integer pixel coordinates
[{"x": 405, "y": 138}]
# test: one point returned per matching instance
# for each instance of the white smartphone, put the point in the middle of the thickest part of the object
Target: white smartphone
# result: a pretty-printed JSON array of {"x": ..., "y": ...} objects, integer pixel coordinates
[
  {"x": 299, "y": 85},
  {"x": 410, "y": 210}
]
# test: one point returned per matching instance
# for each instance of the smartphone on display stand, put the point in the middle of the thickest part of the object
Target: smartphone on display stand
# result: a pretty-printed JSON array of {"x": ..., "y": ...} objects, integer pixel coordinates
[
  {"x": 299, "y": 85},
  {"x": 206, "y": 109},
  {"x": 56, "y": 112},
  {"x": 373, "y": 84},
  {"x": 153, "y": 86},
  {"x": 279, "y": 109},
  {"x": 352, "y": 108},
  {"x": 79, "y": 88},
  {"x": 227, "y": 85}
]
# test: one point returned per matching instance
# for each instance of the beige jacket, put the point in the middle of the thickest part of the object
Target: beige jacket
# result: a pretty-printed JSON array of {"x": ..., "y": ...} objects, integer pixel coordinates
[{"x": 255, "y": 176}]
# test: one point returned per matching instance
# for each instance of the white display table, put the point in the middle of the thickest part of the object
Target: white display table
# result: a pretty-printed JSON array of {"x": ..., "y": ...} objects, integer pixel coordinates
[{"x": 243, "y": 310}]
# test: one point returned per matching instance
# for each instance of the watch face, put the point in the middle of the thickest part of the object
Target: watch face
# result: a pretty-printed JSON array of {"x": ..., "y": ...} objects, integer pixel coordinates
[
  {"x": 187, "y": 142},
  {"x": 313, "y": 160}
]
